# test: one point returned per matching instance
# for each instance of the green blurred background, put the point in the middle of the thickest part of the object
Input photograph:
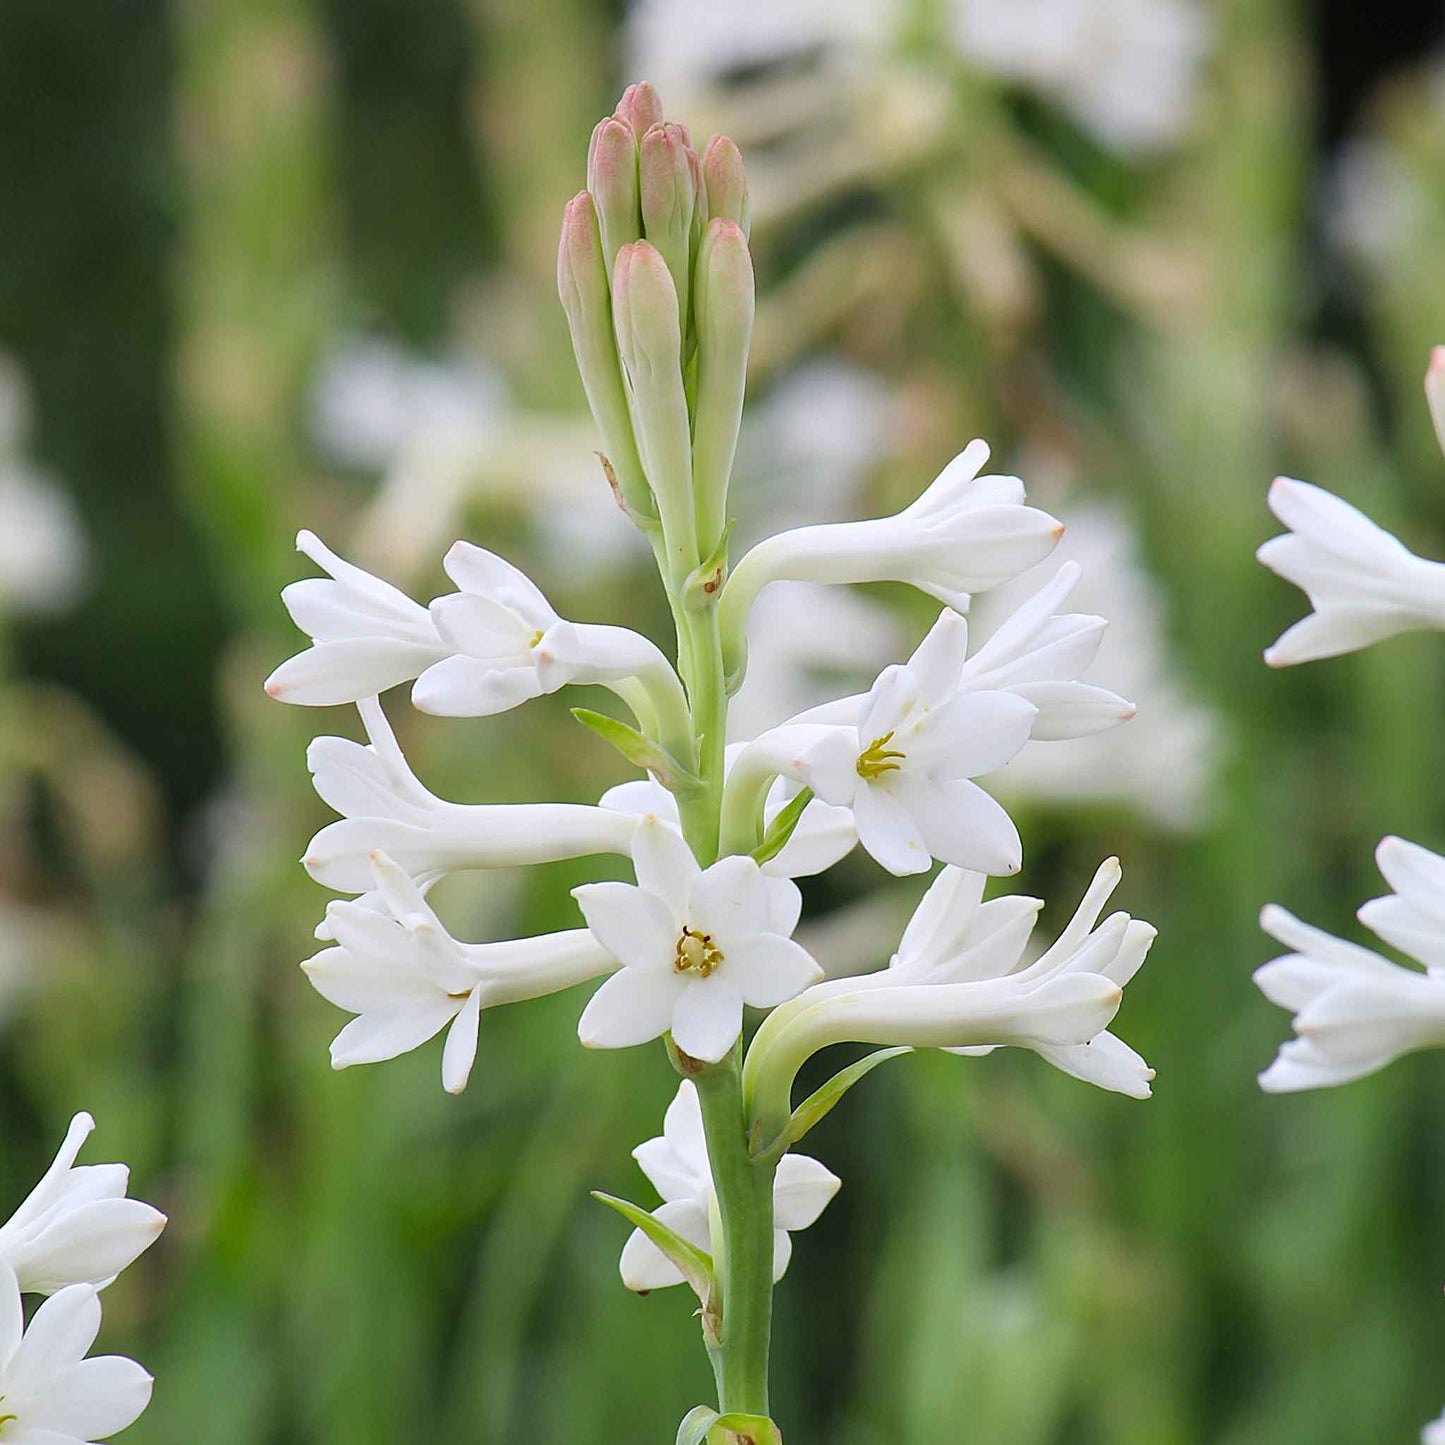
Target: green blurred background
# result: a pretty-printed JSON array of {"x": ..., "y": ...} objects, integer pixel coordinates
[{"x": 274, "y": 263}]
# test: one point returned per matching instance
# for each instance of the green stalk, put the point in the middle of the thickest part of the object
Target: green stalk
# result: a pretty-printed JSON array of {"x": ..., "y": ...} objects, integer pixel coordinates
[{"x": 744, "y": 1259}]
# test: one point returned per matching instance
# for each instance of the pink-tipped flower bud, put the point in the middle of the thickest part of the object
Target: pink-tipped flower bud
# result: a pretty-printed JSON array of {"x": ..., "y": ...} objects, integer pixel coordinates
[
  {"x": 723, "y": 306},
  {"x": 612, "y": 179},
  {"x": 582, "y": 286},
  {"x": 649, "y": 343},
  {"x": 640, "y": 107},
  {"x": 726, "y": 182},
  {"x": 1435, "y": 391},
  {"x": 669, "y": 200}
]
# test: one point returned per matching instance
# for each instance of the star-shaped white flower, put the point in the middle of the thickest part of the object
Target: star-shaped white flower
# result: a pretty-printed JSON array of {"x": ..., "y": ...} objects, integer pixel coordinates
[
  {"x": 406, "y": 978},
  {"x": 1355, "y": 1011},
  {"x": 77, "y": 1226},
  {"x": 510, "y": 645},
  {"x": 50, "y": 1393},
  {"x": 366, "y": 635},
  {"x": 1363, "y": 583},
  {"x": 677, "y": 1164},
  {"x": 695, "y": 944},
  {"x": 904, "y": 768}
]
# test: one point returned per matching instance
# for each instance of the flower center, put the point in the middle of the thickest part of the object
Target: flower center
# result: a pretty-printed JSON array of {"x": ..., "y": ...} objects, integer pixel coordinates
[
  {"x": 878, "y": 758},
  {"x": 696, "y": 953}
]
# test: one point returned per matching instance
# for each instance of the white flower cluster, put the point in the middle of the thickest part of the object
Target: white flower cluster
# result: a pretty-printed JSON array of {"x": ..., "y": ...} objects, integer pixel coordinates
[{"x": 70, "y": 1238}]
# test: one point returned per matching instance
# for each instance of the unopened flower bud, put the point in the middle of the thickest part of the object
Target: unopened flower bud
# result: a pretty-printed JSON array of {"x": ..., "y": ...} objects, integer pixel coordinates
[
  {"x": 668, "y": 203},
  {"x": 726, "y": 182},
  {"x": 723, "y": 310},
  {"x": 1435, "y": 391},
  {"x": 612, "y": 179},
  {"x": 640, "y": 107},
  {"x": 582, "y": 285},
  {"x": 649, "y": 342}
]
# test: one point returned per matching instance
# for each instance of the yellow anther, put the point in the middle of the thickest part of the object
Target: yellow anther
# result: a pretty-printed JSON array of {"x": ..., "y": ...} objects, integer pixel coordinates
[
  {"x": 696, "y": 953},
  {"x": 878, "y": 758}
]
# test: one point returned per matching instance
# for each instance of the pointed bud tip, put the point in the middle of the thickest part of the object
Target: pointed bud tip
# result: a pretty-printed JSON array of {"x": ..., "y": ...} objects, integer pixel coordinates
[
  {"x": 640, "y": 107},
  {"x": 1436, "y": 368}
]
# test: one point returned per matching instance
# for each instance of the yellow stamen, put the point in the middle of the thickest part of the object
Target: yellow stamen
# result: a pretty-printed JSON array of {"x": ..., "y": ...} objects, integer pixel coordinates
[
  {"x": 696, "y": 953},
  {"x": 878, "y": 758}
]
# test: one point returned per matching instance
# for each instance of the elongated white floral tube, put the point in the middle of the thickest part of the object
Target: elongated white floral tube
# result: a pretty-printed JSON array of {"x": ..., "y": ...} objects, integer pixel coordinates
[
  {"x": 1363, "y": 583},
  {"x": 386, "y": 809},
  {"x": 966, "y": 533}
]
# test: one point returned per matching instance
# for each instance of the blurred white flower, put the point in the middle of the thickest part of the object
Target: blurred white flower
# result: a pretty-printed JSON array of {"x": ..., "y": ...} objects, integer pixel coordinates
[
  {"x": 1363, "y": 583},
  {"x": 77, "y": 1226},
  {"x": 366, "y": 635},
  {"x": 1434, "y": 1432},
  {"x": 1375, "y": 202},
  {"x": 1164, "y": 763},
  {"x": 695, "y": 944},
  {"x": 903, "y": 767},
  {"x": 50, "y": 1393},
  {"x": 677, "y": 1164},
  {"x": 510, "y": 645},
  {"x": 386, "y": 809},
  {"x": 406, "y": 978},
  {"x": 1355, "y": 1011},
  {"x": 1128, "y": 70}
]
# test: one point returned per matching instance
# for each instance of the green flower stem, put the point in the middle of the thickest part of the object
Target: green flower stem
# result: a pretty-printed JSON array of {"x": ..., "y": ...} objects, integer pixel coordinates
[{"x": 744, "y": 1259}]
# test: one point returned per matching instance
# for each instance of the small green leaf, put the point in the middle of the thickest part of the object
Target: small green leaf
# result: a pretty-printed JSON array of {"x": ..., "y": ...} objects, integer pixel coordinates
[
  {"x": 704, "y": 586},
  {"x": 696, "y": 1266},
  {"x": 694, "y": 1429},
  {"x": 744, "y": 1430},
  {"x": 819, "y": 1103},
  {"x": 776, "y": 838},
  {"x": 640, "y": 751}
]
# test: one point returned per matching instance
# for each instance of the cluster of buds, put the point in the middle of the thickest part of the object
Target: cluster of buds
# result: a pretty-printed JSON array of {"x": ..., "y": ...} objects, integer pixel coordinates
[{"x": 655, "y": 276}]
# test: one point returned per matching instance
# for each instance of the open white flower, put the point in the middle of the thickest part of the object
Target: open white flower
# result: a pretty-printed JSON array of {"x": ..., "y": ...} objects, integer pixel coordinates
[
  {"x": 50, "y": 1393},
  {"x": 696, "y": 945},
  {"x": 366, "y": 635},
  {"x": 1355, "y": 1011},
  {"x": 406, "y": 978},
  {"x": 677, "y": 1163},
  {"x": 77, "y": 1226},
  {"x": 822, "y": 836},
  {"x": 386, "y": 809},
  {"x": 966, "y": 533},
  {"x": 958, "y": 982},
  {"x": 510, "y": 645},
  {"x": 904, "y": 767},
  {"x": 1363, "y": 583}
]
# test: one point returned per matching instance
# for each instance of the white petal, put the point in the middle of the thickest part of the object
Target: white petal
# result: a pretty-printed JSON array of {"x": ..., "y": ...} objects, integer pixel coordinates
[
  {"x": 1106, "y": 1061},
  {"x": 474, "y": 569},
  {"x": 58, "y": 1335},
  {"x": 1414, "y": 872},
  {"x": 466, "y": 687},
  {"x": 664, "y": 864},
  {"x": 682, "y": 1128},
  {"x": 90, "y": 1244},
  {"x": 769, "y": 970},
  {"x": 959, "y": 823},
  {"x": 92, "y": 1400},
  {"x": 707, "y": 1017},
  {"x": 731, "y": 900},
  {"x": 644, "y": 1266},
  {"x": 968, "y": 734},
  {"x": 1073, "y": 709},
  {"x": 802, "y": 1191},
  {"x": 460, "y": 1051},
  {"x": 484, "y": 629},
  {"x": 888, "y": 832},
  {"x": 631, "y": 1007},
  {"x": 336, "y": 672},
  {"x": 782, "y": 1253},
  {"x": 371, "y": 1038},
  {"x": 636, "y": 927}
]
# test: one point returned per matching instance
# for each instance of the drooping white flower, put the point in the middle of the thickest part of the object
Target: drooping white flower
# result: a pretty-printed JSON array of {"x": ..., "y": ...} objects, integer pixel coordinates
[
  {"x": 965, "y": 533},
  {"x": 386, "y": 809},
  {"x": 406, "y": 978},
  {"x": 510, "y": 645},
  {"x": 904, "y": 767},
  {"x": 366, "y": 635},
  {"x": 696, "y": 945},
  {"x": 1163, "y": 765},
  {"x": 77, "y": 1226},
  {"x": 677, "y": 1164},
  {"x": 1128, "y": 70},
  {"x": 1355, "y": 1011},
  {"x": 1363, "y": 583},
  {"x": 822, "y": 836},
  {"x": 50, "y": 1393}
]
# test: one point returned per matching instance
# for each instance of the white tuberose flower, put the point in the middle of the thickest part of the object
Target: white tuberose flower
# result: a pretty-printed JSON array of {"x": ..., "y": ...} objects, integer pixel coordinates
[
  {"x": 696, "y": 945},
  {"x": 904, "y": 767},
  {"x": 1434, "y": 1432},
  {"x": 50, "y": 1394},
  {"x": 511, "y": 645},
  {"x": 76, "y": 1226},
  {"x": 386, "y": 809},
  {"x": 1355, "y": 1011},
  {"x": 1364, "y": 583},
  {"x": 964, "y": 534},
  {"x": 677, "y": 1164},
  {"x": 406, "y": 978},
  {"x": 366, "y": 635}
]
